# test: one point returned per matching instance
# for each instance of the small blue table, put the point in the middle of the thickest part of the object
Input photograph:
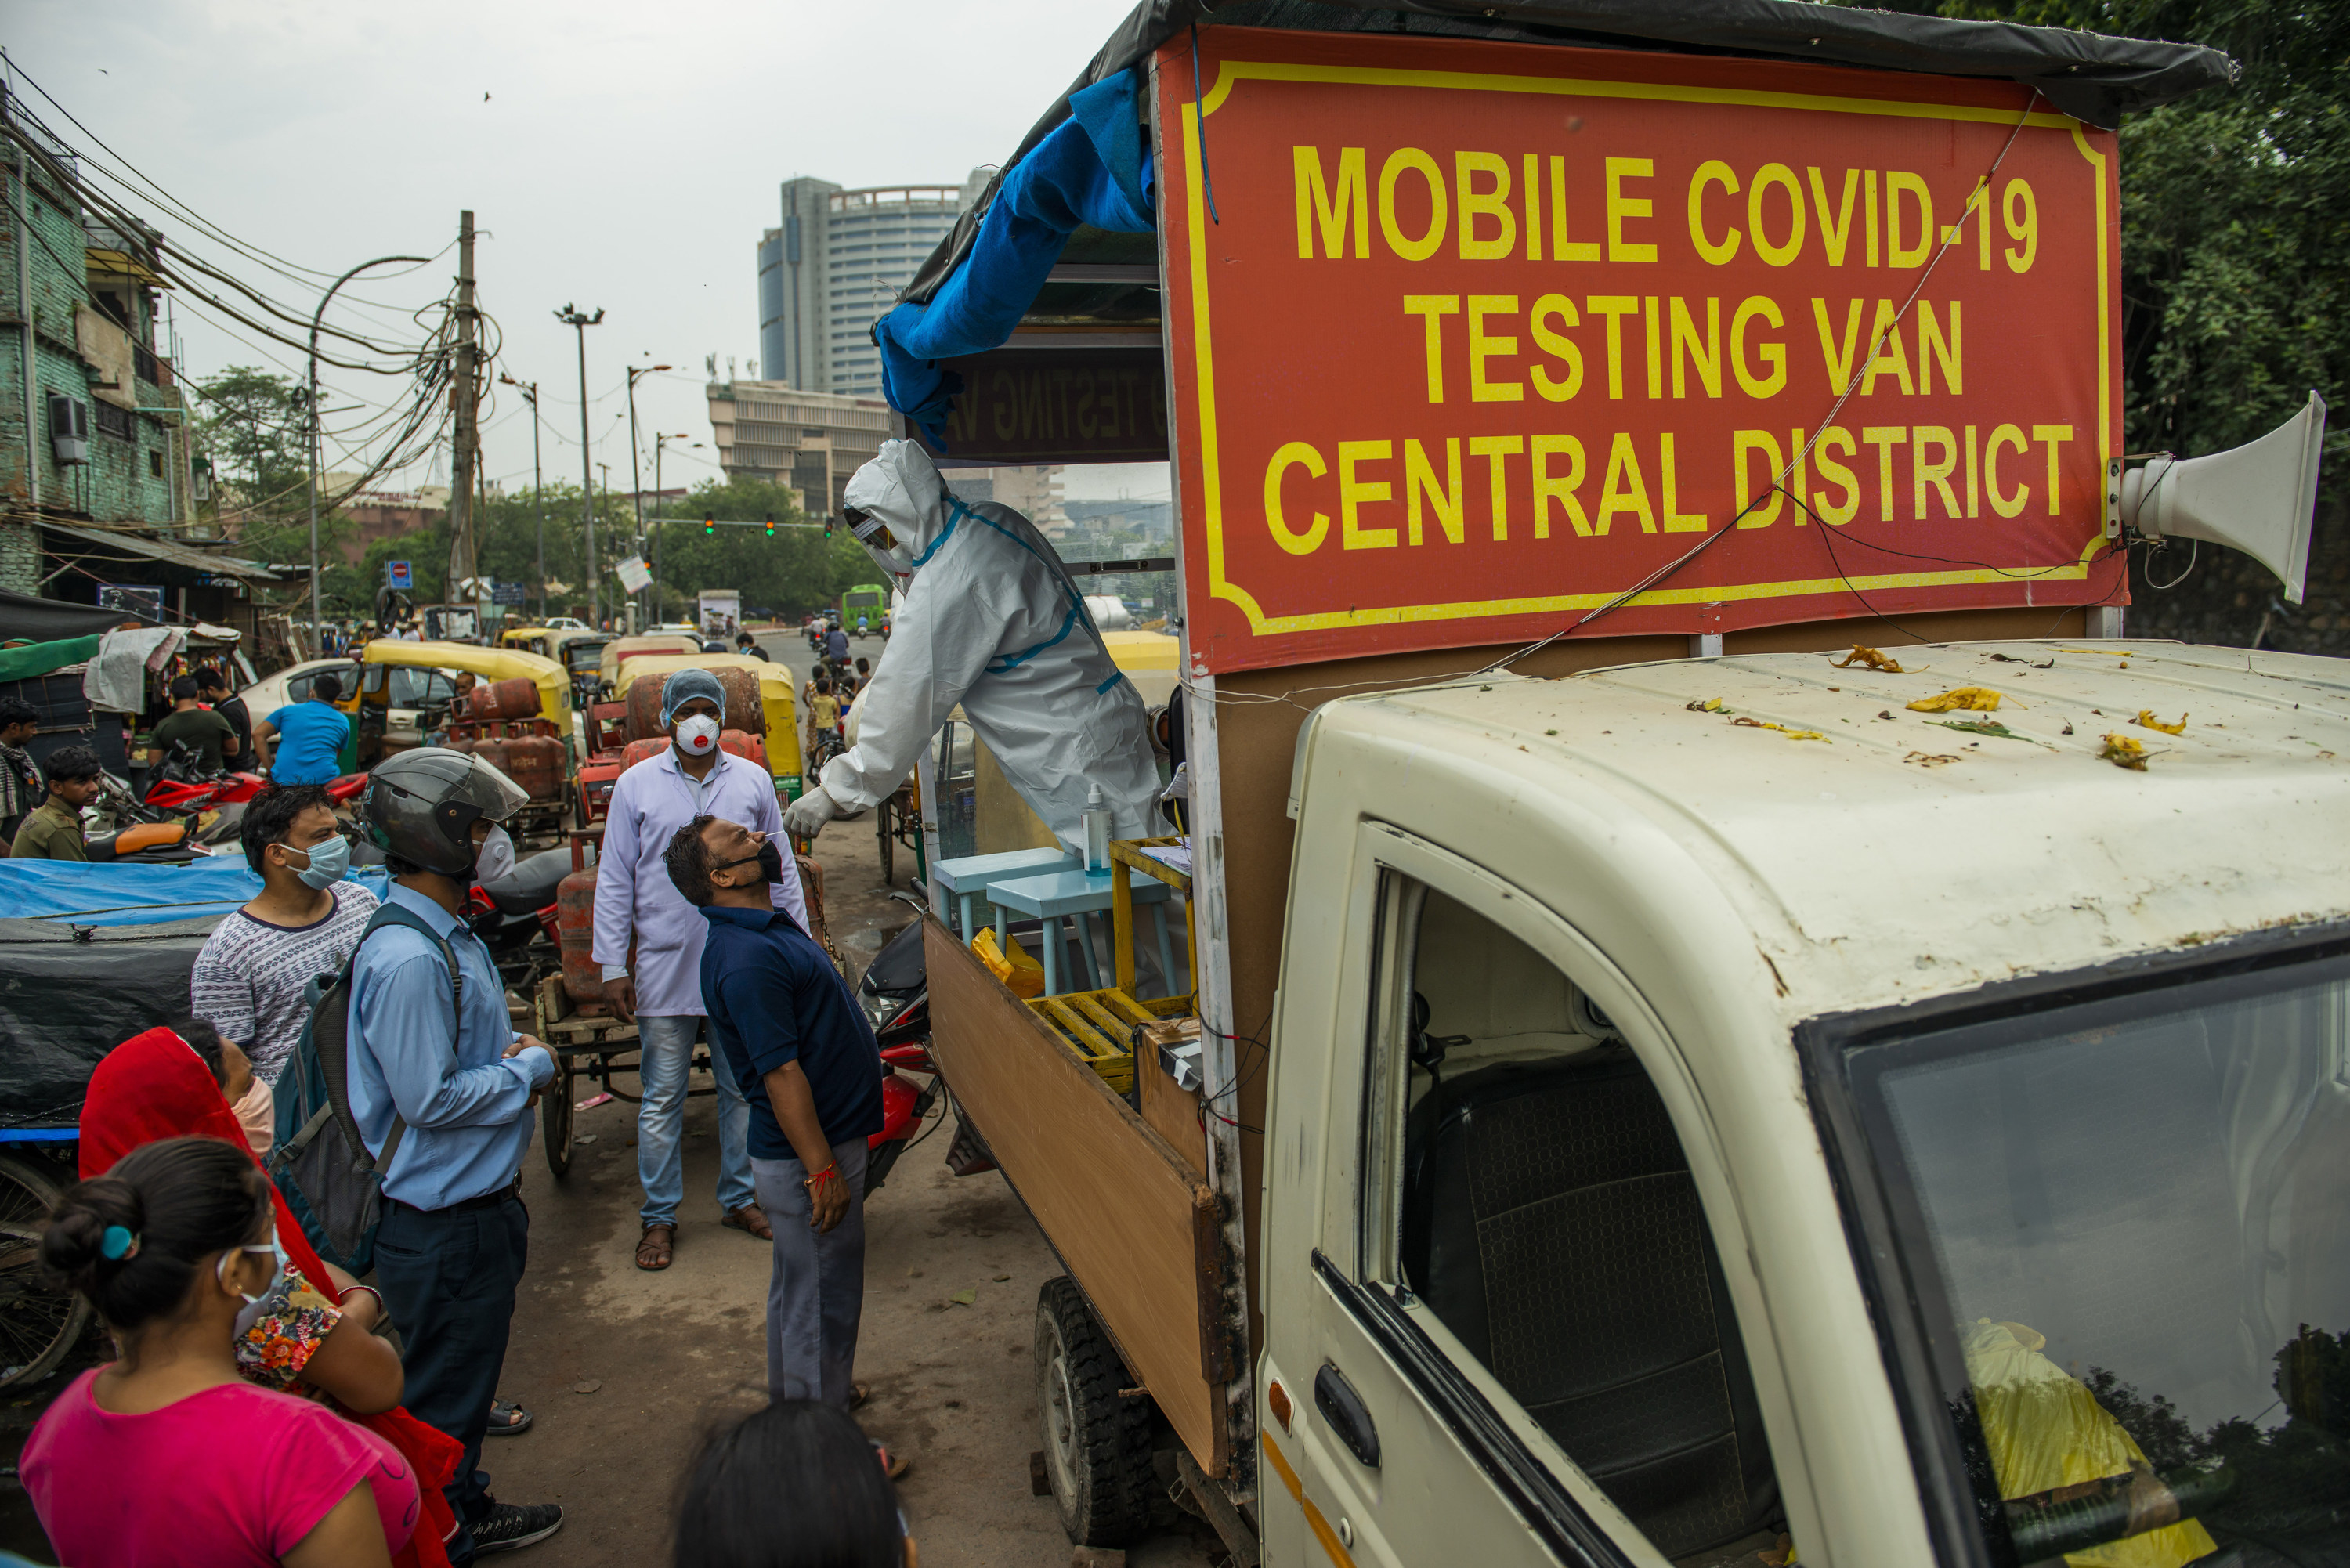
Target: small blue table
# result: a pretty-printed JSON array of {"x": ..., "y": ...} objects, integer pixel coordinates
[
  {"x": 971, "y": 876},
  {"x": 1083, "y": 893}
]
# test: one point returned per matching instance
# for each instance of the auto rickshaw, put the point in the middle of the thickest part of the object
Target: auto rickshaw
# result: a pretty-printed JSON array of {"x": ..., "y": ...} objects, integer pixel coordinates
[{"x": 623, "y": 650}]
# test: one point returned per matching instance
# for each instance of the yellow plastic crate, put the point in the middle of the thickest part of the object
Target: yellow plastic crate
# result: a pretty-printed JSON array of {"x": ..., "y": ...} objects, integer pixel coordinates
[{"x": 1099, "y": 1024}]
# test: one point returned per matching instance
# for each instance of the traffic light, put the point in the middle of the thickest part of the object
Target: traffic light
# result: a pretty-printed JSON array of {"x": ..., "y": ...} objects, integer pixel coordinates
[
  {"x": 709, "y": 526},
  {"x": 827, "y": 525},
  {"x": 771, "y": 524}
]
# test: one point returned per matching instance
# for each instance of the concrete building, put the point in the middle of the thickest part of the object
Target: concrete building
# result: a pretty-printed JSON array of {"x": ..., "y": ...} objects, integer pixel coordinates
[
  {"x": 811, "y": 442},
  {"x": 833, "y": 269}
]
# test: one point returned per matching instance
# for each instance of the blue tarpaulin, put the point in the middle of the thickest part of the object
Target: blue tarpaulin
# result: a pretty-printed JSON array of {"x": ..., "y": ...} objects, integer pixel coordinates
[
  {"x": 1092, "y": 169},
  {"x": 77, "y": 893}
]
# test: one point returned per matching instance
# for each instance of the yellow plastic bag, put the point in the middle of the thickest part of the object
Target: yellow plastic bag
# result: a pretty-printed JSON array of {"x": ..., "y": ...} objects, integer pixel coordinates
[
  {"x": 2046, "y": 1430},
  {"x": 1022, "y": 975}
]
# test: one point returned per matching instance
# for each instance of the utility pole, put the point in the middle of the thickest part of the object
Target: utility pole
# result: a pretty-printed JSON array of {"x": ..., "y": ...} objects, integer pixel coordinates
[
  {"x": 580, "y": 323},
  {"x": 529, "y": 390},
  {"x": 466, "y": 393}
]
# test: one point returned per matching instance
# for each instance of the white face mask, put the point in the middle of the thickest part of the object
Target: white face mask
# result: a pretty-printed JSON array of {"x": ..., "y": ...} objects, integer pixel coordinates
[
  {"x": 697, "y": 737},
  {"x": 250, "y": 1314},
  {"x": 495, "y": 857}
]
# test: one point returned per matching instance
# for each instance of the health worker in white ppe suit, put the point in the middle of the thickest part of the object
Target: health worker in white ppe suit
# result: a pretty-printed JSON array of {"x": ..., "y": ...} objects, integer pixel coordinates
[{"x": 991, "y": 622}]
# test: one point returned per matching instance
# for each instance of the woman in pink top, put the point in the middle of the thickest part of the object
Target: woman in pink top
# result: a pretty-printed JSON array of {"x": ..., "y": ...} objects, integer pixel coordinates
[{"x": 167, "y": 1456}]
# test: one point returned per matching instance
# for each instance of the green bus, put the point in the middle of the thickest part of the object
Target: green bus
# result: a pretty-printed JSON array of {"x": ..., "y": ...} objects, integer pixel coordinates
[{"x": 870, "y": 600}]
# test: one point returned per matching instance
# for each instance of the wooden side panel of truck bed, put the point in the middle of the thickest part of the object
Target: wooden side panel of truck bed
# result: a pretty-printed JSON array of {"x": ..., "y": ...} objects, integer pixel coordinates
[{"x": 1130, "y": 1219}]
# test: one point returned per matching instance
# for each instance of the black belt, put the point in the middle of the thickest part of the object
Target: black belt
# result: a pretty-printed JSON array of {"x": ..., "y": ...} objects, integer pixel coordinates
[{"x": 486, "y": 1200}]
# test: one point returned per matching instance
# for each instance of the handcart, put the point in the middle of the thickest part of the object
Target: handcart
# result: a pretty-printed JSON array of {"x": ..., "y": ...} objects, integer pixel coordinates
[{"x": 587, "y": 1043}]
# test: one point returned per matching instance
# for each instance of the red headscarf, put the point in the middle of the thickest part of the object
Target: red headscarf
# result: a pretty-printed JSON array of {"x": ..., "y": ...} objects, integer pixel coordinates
[{"x": 154, "y": 1085}]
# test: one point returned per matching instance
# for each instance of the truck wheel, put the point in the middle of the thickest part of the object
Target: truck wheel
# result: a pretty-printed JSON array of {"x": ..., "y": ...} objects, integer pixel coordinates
[{"x": 1096, "y": 1445}]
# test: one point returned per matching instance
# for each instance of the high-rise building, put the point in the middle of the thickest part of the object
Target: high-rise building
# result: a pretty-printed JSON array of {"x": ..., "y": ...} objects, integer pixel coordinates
[
  {"x": 832, "y": 269},
  {"x": 809, "y": 441}
]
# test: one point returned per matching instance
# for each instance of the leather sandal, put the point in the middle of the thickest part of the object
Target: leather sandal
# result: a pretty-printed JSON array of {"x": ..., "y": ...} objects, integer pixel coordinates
[
  {"x": 753, "y": 1218},
  {"x": 653, "y": 1256}
]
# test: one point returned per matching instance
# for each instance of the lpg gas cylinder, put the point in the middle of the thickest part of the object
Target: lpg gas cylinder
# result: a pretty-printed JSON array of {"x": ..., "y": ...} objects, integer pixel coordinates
[
  {"x": 575, "y": 921},
  {"x": 748, "y": 747},
  {"x": 498, "y": 702},
  {"x": 535, "y": 763}
]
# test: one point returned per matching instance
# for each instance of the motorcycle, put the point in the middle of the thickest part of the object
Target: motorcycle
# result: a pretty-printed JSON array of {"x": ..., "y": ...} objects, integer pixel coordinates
[
  {"x": 181, "y": 785},
  {"x": 896, "y": 998},
  {"x": 516, "y": 918}
]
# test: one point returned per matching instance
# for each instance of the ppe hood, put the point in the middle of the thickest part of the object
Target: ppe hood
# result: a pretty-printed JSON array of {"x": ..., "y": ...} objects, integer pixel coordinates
[{"x": 902, "y": 488}]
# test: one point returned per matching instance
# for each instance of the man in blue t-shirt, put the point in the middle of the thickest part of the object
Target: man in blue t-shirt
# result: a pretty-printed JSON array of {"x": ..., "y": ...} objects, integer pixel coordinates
[
  {"x": 303, "y": 743},
  {"x": 799, "y": 1047}
]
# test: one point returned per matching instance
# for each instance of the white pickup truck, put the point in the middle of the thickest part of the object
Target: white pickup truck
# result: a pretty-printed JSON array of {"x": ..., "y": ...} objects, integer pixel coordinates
[{"x": 1716, "y": 1100}]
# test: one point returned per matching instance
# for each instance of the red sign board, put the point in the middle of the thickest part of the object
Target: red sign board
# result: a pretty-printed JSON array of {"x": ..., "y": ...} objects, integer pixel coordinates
[{"x": 1471, "y": 340}]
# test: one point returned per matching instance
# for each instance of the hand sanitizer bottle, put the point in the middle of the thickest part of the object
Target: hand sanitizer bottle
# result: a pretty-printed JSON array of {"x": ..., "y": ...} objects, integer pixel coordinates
[{"x": 1097, "y": 821}]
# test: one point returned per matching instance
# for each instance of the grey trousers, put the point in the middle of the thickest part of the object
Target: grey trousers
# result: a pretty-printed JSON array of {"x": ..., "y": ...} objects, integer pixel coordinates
[{"x": 817, "y": 1294}]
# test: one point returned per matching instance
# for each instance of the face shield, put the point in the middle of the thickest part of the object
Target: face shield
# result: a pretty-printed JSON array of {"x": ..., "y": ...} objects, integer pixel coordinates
[{"x": 888, "y": 552}]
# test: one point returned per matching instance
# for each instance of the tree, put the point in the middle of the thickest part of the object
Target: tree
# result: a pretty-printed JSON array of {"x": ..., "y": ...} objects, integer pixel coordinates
[
  {"x": 257, "y": 423},
  {"x": 2235, "y": 279}
]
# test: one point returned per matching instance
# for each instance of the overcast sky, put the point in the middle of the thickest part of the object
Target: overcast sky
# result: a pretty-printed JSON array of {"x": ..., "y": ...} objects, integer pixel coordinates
[{"x": 626, "y": 157}]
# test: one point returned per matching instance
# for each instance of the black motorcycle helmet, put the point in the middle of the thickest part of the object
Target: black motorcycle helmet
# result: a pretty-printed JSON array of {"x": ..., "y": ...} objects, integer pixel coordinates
[{"x": 421, "y": 806}]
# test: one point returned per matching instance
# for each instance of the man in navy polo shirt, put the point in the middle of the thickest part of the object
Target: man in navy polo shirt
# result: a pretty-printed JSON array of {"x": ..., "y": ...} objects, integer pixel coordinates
[{"x": 807, "y": 1063}]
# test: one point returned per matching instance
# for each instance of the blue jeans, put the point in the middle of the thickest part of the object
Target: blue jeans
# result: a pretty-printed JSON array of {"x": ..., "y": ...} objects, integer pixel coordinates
[
  {"x": 449, "y": 1278},
  {"x": 666, "y": 1053}
]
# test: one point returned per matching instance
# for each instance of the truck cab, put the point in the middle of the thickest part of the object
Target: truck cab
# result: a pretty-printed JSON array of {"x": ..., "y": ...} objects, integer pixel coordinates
[{"x": 1757, "y": 1105}]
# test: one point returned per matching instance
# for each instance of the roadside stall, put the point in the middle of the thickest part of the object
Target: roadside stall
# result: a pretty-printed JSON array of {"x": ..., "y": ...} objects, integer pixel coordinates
[{"x": 1491, "y": 352}]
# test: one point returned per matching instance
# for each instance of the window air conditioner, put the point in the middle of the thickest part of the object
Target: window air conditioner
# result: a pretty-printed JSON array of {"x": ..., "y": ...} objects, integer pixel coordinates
[{"x": 69, "y": 430}]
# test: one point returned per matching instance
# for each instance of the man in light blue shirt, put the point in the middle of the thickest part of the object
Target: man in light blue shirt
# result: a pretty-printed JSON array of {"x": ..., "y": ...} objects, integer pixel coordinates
[
  {"x": 442, "y": 1084},
  {"x": 303, "y": 741}
]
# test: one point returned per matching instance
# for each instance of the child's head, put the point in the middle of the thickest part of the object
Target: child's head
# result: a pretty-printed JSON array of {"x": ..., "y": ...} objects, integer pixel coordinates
[
  {"x": 795, "y": 1486},
  {"x": 823, "y": 685},
  {"x": 863, "y": 668}
]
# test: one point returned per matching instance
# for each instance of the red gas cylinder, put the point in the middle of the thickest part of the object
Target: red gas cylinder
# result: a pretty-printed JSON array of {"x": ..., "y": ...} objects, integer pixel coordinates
[
  {"x": 535, "y": 763},
  {"x": 499, "y": 700},
  {"x": 575, "y": 920},
  {"x": 490, "y": 752},
  {"x": 749, "y": 747},
  {"x": 743, "y": 710}
]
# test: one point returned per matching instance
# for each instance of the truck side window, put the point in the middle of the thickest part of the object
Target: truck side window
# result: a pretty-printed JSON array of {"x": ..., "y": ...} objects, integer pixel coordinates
[{"x": 1539, "y": 1204}]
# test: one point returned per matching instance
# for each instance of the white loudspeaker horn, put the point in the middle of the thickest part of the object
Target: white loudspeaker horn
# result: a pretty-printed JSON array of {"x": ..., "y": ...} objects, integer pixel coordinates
[{"x": 2259, "y": 498}]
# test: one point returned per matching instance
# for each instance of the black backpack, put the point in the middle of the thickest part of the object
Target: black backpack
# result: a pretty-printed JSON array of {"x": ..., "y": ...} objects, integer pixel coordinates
[{"x": 320, "y": 1163}]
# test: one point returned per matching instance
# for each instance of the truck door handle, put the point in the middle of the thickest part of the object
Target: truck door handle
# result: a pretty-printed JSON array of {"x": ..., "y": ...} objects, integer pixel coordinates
[{"x": 1344, "y": 1409}]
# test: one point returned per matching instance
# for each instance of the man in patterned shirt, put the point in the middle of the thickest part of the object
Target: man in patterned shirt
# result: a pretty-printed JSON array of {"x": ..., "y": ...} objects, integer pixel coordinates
[{"x": 250, "y": 977}]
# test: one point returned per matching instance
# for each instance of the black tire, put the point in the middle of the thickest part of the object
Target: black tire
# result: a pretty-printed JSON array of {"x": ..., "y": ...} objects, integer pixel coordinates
[
  {"x": 881, "y": 817},
  {"x": 40, "y": 1321},
  {"x": 554, "y": 1117},
  {"x": 1096, "y": 1445}
]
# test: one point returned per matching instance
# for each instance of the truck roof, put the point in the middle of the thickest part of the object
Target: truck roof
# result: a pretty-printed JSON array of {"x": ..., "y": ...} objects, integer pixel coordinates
[{"x": 1903, "y": 853}]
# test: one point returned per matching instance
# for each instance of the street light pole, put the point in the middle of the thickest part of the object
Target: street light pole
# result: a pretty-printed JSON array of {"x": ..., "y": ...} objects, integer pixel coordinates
[
  {"x": 537, "y": 485},
  {"x": 581, "y": 322},
  {"x": 636, "y": 476},
  {"x": 658, "y": 441},
  {"x": 316, "y": 322}
]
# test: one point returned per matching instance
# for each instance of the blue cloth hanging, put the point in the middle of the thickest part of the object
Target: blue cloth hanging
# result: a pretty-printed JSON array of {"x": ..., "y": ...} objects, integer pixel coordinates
[{"x": 1092, "y": 169}]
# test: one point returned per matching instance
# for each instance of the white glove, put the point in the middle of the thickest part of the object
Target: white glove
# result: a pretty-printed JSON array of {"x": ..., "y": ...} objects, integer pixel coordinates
[{"x": 806, "y": 818}]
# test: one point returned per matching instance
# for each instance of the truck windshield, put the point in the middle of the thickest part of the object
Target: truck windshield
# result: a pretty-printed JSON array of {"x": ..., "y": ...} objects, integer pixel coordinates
[{"x": 2127, "y": 1226}]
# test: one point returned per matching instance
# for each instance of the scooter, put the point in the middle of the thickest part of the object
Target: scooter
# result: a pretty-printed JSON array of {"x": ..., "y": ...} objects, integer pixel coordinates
[
  {"x": 895, "y": 995},
  {"x": 181, "y": 786}
]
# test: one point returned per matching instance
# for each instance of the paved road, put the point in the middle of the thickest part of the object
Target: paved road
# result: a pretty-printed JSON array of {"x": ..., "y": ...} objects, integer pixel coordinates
[{"x": 674, "y": 1352}]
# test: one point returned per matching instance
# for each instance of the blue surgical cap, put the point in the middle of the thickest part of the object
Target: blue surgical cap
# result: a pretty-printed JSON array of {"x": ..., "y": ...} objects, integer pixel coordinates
[{"x": 686, "y": 685}]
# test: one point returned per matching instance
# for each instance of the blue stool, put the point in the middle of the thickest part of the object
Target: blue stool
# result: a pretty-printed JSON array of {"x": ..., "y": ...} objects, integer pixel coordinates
[
  {"x": 971, "y": 876},
  {"x": 1083, "y": 893}
]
